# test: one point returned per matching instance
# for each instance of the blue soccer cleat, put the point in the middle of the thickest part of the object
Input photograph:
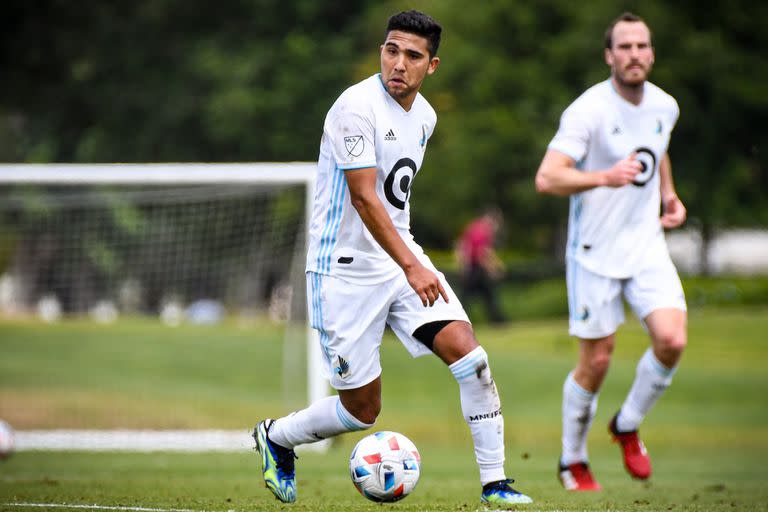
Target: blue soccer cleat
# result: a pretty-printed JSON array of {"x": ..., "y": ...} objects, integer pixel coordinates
[
  {"x": 276, "y": 464},
  {"x": 502, "y": 494}
]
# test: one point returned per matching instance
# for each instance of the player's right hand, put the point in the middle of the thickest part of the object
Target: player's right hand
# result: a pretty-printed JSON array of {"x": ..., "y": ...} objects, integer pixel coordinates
[
  {"x": 623, "y": 172},
  {"x": 426, "y": 284}
]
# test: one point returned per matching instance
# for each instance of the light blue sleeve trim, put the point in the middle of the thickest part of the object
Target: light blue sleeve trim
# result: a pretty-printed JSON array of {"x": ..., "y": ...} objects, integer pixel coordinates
[{"x": 357, "y": 167}]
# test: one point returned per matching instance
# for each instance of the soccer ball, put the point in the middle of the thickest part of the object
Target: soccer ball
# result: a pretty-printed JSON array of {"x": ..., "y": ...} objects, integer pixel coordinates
[
  {"x": 385, "y": 466},
  {"x": 6, "y": 440}
]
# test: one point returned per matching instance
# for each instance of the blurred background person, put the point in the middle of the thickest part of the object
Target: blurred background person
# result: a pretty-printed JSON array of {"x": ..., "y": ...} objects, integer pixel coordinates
[{"x": 480, "y": 267}]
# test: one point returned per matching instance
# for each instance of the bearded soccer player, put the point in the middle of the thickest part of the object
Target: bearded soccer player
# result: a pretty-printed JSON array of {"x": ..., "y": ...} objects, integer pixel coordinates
[
  {"x": 610, "y": 156},
  {"x": 364, "y": 269}
]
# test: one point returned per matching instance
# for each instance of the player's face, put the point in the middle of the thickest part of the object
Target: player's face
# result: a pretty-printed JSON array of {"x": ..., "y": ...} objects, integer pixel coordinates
[
  {"x": 405, "y": 62},
  {"x": 631, "y": 56}
]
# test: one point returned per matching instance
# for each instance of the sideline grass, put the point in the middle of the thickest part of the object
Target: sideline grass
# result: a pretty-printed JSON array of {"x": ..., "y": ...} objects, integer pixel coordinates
[{"x": 708, "y": 436}]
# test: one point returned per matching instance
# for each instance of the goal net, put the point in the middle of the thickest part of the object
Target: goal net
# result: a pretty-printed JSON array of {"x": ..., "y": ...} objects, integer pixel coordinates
[{"x": 185, "y": 244}]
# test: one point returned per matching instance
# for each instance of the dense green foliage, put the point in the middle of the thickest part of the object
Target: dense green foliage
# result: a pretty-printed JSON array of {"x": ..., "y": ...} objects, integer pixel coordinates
[
  {"x": 164, "y": 80},
  {"x": 707, "y": 436}
]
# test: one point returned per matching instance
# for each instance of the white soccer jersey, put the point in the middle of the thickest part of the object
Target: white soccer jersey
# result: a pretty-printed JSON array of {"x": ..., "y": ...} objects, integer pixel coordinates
[
  {"x": 366, "y": 127},
  {"x": 613, "y": 231}
]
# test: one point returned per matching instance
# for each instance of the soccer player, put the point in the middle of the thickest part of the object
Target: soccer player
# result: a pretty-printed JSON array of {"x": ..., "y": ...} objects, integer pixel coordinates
[
  {"x": 364, "y": 269},
  {"x": 610, "y": 156},
  {"x": 479, "y": 265}
]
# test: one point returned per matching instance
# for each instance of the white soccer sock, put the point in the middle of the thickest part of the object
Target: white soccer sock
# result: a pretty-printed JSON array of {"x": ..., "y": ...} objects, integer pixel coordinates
[
  {"x": 481, "y": 407},
  {"x": 579, "y": 407},
  {"x": 323, "y": 419},
  {"x": 651, "y": 380}
]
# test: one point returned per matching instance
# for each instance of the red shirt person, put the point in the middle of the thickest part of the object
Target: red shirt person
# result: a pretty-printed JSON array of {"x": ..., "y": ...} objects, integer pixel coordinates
[{"x": 480, "y": 266}]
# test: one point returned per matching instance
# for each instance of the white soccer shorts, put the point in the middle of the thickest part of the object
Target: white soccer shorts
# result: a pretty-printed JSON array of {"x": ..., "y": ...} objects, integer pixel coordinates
[
  {"x": 350, "y": 319},
  {"x": 595, "y": 301}
]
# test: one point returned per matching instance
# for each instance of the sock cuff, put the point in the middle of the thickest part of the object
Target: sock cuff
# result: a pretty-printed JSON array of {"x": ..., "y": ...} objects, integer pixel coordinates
[
  {"x": 491, "y": 473},
  {"x": 467, "y": 365},
  {"x": 572, "y": 385},
  {"x": 351, "y": 423},
  {"x": 650, "y": 360}
]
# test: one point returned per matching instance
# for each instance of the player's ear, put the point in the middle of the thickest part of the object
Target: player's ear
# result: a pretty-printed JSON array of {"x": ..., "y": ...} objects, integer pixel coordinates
[
  {"x": 608, "y": 57},
  {"x": 433, "y": 63}
]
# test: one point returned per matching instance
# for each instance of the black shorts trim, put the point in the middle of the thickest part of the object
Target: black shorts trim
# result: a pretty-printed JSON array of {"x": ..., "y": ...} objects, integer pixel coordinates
[{"x": 427, "y": 332}]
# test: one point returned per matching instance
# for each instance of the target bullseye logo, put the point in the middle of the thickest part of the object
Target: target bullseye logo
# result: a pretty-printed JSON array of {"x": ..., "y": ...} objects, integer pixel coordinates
[
  {"x": 397, "y": 186},
  {"x": 648, "y": 160}
]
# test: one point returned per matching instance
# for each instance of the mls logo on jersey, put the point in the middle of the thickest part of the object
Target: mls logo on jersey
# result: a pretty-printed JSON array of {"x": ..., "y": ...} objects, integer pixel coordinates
[
  {"x": 354, "y": 145},
  {"x": 648, "y": 160}
]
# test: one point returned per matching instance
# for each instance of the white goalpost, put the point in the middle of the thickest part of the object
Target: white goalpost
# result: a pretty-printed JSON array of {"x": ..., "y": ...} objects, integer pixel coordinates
[{"x": 254, "y": 280}]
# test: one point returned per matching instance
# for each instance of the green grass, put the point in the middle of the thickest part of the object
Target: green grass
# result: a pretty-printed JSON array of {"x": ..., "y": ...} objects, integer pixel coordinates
[{"x": 708, "y": 436}]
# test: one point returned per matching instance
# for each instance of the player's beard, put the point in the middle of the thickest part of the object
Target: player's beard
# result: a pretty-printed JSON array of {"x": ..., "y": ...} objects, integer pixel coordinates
[
  {"x": 400, "y": 92},
  {"x": 632, "y": 82},
  {"x": 403, "y": 91}
]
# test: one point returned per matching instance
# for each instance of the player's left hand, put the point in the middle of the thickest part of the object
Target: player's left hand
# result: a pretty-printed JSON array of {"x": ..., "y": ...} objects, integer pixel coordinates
[{"x": 674, "y": 213}]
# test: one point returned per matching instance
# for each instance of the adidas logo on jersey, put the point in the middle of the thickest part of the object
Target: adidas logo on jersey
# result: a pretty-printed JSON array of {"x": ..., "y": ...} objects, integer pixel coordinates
[{"x": 390, "y": 135}]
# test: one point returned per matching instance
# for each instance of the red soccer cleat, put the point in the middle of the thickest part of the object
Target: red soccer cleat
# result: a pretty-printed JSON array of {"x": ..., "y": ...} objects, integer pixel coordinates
[
  {"x": 577, "y": 477},
  {"x": 636, "y": 458}
]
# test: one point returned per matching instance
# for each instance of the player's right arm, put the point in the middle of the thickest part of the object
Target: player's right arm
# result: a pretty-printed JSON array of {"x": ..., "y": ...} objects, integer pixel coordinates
[
  {"x": 558, "y": 175},
  {"x": 362, "y": 193}
]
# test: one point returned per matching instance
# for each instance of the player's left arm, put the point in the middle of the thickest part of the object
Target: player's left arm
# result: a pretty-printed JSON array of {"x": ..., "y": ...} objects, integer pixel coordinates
[
  {"x": 362, "y": 193},
  {"x": 673, "y": 211}
]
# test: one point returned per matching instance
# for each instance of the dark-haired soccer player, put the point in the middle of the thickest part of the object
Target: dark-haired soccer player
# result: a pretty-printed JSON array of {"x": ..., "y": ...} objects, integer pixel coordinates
[
  {"x": 610, "y": 157},
  {"x": 364, "y": 269}
]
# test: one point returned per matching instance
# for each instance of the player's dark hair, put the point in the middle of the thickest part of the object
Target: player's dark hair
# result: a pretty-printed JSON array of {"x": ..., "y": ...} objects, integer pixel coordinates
[
  {"x": 625, "y": 16},
  {"x": 416, "y": 22}
]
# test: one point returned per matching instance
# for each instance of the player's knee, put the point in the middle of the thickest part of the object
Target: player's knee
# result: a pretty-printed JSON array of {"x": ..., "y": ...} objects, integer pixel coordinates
[
  {"x": 368, "y": 416},
  {"x": 366, "y": 412},
  {"x": 672, "y": 342},
  {"x": 599, "y": 364},
  {"x": 454, "y": 342},
  {"x": 668, "y": 349}
]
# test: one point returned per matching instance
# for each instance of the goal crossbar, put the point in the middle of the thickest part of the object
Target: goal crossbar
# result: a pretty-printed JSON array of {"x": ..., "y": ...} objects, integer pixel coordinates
[{"x": 160, "y": 173}]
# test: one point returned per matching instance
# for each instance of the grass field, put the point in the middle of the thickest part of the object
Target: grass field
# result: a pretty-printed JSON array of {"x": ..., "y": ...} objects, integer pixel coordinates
[{"x": 708, "y": 437}]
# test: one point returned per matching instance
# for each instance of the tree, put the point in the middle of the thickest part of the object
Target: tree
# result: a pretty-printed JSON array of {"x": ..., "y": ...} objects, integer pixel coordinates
[{"x": 165, "y": 80}]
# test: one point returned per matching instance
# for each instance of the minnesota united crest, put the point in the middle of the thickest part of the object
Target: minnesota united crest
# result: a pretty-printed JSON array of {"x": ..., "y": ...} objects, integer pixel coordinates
[
  {"x": 423, "y": 139},
  {"x": 341, "y": 368}
]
